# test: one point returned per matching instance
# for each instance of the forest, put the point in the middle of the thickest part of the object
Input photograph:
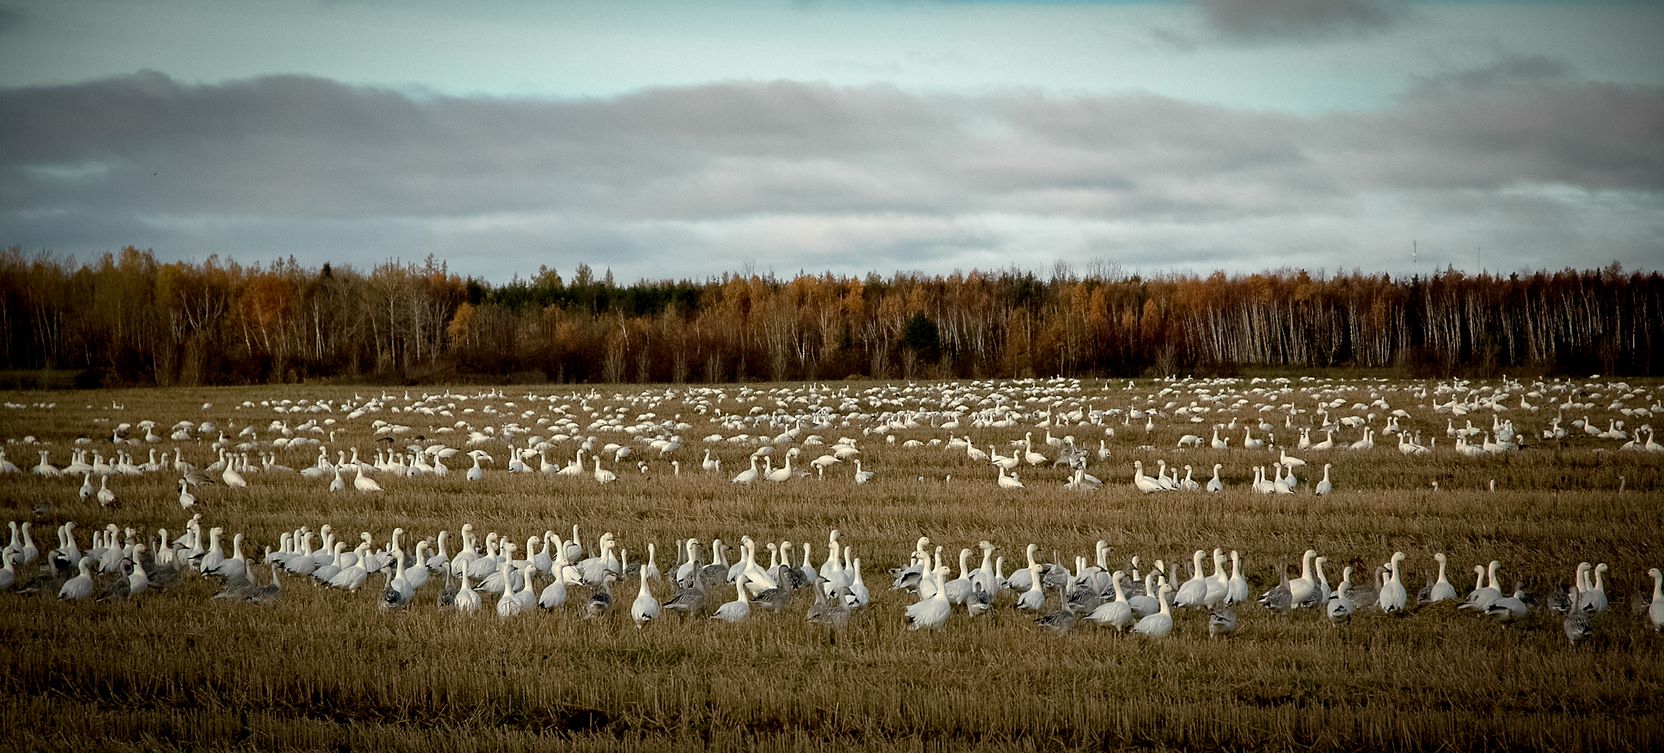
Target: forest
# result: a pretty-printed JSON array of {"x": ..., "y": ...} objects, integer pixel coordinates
[{"x": 130, "y": 319}]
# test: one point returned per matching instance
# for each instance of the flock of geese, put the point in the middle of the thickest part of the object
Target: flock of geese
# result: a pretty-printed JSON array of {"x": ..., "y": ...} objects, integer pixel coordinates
[
  {"x": 588, "y": 435},
  {"x": 553, "y": 573},
  {"x": 784, "y": 433}
]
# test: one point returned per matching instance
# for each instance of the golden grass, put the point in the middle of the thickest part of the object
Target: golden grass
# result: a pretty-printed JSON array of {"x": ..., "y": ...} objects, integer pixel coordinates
[{"x": 322, "y": 669}]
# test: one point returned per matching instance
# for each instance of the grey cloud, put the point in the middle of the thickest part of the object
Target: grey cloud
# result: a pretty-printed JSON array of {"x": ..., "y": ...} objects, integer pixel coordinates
[
  {"x": 10, "y": 18},
  {"x": 691, "y": 181},
  {"x": 1260, "y": 20},
  {"x": 1506, "y": 71}
]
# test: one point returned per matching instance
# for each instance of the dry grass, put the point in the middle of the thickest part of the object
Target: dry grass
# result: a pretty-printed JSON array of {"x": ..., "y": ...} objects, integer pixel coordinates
[{"x": 328, "y": 670}]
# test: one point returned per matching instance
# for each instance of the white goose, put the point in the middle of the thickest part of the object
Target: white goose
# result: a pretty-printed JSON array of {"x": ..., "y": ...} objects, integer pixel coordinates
[
  {"x": 364, "y": 484},
  {"x": 1160, "y": 624},
  {"x": 749, "y": 475},
  {"x": 1441, "y": 590},
  {"x": 1655, "y": 610},
  {"x": 1393, "y": 598},
  {"x": 1142, "y": 482},
  {"x": 1116, "y": 614},
  {"x": 602, "y": 475},
  {"x": 736, "y": 610},
  {"x": 932, "y": 611},
  {"x": 645, "y": 609}
]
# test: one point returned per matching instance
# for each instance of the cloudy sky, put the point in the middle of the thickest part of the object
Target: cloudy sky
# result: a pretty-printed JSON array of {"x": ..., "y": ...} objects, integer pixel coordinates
[{"x": 684, "y": 139}]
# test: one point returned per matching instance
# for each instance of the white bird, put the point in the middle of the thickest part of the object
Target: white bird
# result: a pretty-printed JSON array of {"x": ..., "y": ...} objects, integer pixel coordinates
[
  {"x": 1441, "y": 590},
  {"x": 1393, "y": 597},
  {"x": 1325, "y": 485},
  {"x": 509, "y": 605},
  {"x": 602, "y": 475},
  {"x": 1340, "y": 605},
  {"x": 1508, "y": 608},
  {"x": 861, "y": 476},
  {"x": 747, "y": 476},
  {"x": 363, "y": 483},
  {"x": 79, "y": 587},
  {"x": 931, "y": 612},
  {"x": 1117, "y": 613},
  {"x": 231, "y": 476},
  {"x": 1160, "y": 624},
  {"x": 645, "y": 609},
  {"x": 1655, "y": 610},
  {"x": 1593, "y": 598},
  {"x": 1192, "y": 591},
  {"x": 740, "y": 607},
  {"x": 186, "y": 498},
  {"x": 1142, "y": 482},
  {"x": 475, "y": 472}
]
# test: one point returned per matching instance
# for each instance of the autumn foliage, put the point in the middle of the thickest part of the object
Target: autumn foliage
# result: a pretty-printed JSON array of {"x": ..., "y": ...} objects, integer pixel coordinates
[{"x": 129, "y": 318}]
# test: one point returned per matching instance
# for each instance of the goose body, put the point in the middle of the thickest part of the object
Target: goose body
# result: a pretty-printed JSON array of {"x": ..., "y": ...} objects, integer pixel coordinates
[
  {"x": 1393, "y": 599},
  {"x": 1160, "y": 624},
  {"x": 645, "y": 608}
]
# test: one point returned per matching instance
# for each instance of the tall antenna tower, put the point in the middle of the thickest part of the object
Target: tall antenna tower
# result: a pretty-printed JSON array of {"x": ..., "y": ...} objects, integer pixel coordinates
[{"x": 1413, "y": 252}]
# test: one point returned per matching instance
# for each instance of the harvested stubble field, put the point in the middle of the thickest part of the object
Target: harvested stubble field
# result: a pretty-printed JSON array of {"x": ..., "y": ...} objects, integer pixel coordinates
[{"x": 322, "y": 668}]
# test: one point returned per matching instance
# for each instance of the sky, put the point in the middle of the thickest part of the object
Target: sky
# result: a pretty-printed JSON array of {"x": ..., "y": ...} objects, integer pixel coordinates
[{"x": 687, "y": 139}]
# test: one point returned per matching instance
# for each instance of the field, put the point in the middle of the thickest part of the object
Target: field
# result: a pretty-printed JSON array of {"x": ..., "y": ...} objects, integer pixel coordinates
[{"x": 321, "y": 668}]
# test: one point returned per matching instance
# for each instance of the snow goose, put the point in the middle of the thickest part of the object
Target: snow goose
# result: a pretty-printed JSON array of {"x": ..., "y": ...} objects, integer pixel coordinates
[
  {"x": 1441, "y": 589},
  {"x": 1142, "y": 482},
  {"x": 268, "y": 593},
  {"x": 932, "y": 612},
  {"x": 1192, "y": 592},
  {"x": 1236, "y": 587},
  {"x": 1116, "y": 614},
  {"x": 749, "y": 475},
  {"x": 1160, "y": 624},
  {"x": 1577, "y": 624},
  {"x": 1302, "y": 591},
  {"x": 1593, "y": 599},
  {"x": 1508, "y": 608},
  {"x": 1655, "y": 609},
  {"x": 645, "y": 608},
  {"x": 79, "y": 587},
  {"x": 863, "y": 476},
  {"x": 235, "y": 566},
  {"x": 1340, "y": 605},
  {"x": 1484, "y": 595},
  {"x": 830, "y": 611},
  {"x": 1279, "y": 598},
  {"x": 1393, "y": 599},
  {"x": 1032, "y": 599},
  {"x": 735, "y": 610},
  {"x": 364, "y": 484},
  {"x": 602, "y": 475},
  {"x": 508, "y": 605},
  {"x": 1221, "y": 621}
]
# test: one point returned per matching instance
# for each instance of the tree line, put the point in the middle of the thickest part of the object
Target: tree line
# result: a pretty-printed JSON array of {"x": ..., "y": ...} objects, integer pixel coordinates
[{"x": 130, "y": 319}]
